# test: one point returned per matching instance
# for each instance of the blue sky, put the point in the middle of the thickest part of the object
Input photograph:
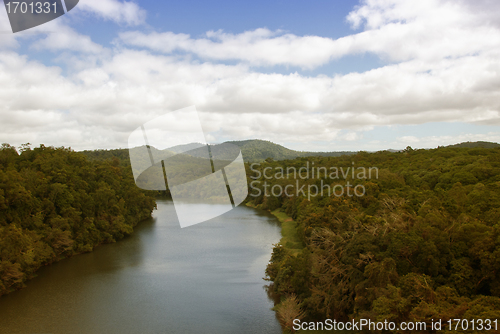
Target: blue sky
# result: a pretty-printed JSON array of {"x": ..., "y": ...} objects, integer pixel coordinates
[
  {"x": 324, "y": 18},
  {"x": 317, "y": 75}
]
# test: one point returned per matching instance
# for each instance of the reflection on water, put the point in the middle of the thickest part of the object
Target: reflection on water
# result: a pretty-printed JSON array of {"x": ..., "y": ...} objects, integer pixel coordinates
[{"x": 205, "y": 278}]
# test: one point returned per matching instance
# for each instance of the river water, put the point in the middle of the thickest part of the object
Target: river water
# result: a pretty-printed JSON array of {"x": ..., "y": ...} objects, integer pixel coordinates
[{"x": 205, "y": 278}]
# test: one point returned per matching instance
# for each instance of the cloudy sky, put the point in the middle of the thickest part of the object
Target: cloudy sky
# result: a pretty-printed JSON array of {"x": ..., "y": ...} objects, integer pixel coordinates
[{"x": 311, "y": 75}]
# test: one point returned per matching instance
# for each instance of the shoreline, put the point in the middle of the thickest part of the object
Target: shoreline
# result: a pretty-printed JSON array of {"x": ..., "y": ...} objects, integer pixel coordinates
[
  {"x": 289, "y": 237},
  {"x": 291, "y": 243},
  {"x": 57, "y": 259}
]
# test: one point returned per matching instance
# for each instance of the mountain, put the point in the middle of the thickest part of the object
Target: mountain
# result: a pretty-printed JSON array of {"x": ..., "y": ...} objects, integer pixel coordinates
[
  {"x": 186, "y": 147},
  {"x": 253, "y": 150},
  {"x": 476, "y": 144},
  {"x": 259, "y": 150}
]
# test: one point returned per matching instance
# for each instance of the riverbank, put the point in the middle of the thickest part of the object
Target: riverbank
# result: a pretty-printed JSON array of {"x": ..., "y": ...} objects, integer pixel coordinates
[
  {"x": 55, "y": 204},
  {"x": 291, "y": 243},
  {"x": 289, "y": 237},
  {"x": 24, "y": 279},
  {"x": 203, "y": 279}
]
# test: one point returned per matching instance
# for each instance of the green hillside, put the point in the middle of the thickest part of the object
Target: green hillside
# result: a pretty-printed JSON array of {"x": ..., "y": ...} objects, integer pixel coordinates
[
  {"x": 55, "y": 203},
  {"x": 259, "y": 150},
  {"x": 476, "y": 144},
  {"x": 418, "y": 240}
]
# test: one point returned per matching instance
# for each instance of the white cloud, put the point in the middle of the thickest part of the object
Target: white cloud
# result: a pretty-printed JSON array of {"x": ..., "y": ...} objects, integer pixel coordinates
[
  {"x": 258, "y": 47},
  {"x": 54, "y": 35},
  {"x": 444, "y": 69},
  {"x": 62, "y": 37},
  {"x": 427, "y": 30},
  {"x": 105, "y": 100},
  {"x": 7, "y": 38},
  {"x": 122, "y": 12},
  {"x": 396, "y": 30}
]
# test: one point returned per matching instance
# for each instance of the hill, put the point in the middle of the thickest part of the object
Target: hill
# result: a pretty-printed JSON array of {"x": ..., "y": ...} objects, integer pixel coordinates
[
  {"x": 419, "y": 241},
  {"x": 260, "y": 150},
  {"x": 476, "y": 144},
  {"x": 54, "y": 203},
  {"x": 253, "y": 150}
]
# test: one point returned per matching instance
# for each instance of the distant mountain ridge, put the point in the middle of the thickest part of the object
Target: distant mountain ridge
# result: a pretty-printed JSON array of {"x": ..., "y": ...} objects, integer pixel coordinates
[
  {"x": 476, "y": 144},
  {"x": 260, "y": 150},
  {"x": 185, "y": 147},
  {"x": 253, "y": 150}
]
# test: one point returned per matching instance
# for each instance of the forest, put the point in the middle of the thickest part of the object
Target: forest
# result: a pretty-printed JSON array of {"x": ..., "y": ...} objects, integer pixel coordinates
[
  {"x": 423, "y": 242},
  {"x": 55, "y": 203}
]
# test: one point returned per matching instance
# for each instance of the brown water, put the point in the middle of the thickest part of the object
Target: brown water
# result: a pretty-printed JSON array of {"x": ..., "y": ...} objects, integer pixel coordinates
[{"x": 163, "y": 279}]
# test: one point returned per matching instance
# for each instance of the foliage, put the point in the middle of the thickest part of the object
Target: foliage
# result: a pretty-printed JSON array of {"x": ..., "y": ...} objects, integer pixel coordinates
[
  {"x": 260, "y": 150},
  {"x": 422, "y": 243},
  {"x": 54, "y": 203},
  {"x": 289, "y": 310}
]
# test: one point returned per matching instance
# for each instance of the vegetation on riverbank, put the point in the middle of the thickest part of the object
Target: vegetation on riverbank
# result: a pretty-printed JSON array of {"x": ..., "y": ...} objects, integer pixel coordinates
[
  {"x": 422, "y": 243},
  {"x": 54, "y": 203},
  {"x": 289, "y": 246}
]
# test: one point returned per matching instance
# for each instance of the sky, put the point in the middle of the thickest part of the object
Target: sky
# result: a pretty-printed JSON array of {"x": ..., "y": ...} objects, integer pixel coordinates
[{"x": 310, "y": 75}]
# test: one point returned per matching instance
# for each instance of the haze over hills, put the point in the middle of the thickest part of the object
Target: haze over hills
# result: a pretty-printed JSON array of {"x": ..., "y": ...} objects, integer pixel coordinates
[{"x": 185, "y": 147}]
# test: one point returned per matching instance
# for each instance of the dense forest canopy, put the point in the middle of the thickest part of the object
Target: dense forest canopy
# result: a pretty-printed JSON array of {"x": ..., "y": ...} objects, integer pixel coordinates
[
  {"x": 423, "y": 242},
  {"x": 55, "y": 203}
]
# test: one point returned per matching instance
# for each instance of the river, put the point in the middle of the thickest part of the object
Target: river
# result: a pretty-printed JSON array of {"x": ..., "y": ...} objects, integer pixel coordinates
[{"x": 205, "y": 278}]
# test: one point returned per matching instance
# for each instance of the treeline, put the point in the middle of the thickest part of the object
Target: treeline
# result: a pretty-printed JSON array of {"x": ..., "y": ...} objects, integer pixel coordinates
[
  {"x": 423, "y": 242},
  {"x": 102, "y": 155},
  {"x": 55, "y": 203}
]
